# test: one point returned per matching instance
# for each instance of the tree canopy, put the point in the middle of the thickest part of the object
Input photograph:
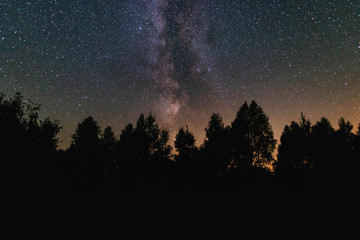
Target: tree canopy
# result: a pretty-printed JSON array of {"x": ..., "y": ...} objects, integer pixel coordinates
[
  {"x": 240, "y": 153},
  {"x": 252, "y": 136},
  {"x": 27, "y": 144}
]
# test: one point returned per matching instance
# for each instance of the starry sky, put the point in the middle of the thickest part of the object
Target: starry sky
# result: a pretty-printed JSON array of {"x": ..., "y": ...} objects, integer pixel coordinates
[{"x": 182, "y": 60}]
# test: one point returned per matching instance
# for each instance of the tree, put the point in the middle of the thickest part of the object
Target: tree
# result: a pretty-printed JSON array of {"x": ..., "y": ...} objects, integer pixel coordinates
[
  {"x": 48, "y": 132},
  {"x": 318, "y": 153},
  {"x": 12, "y": 125},
  {"x": 127, "y": 160},
  {"x": 293, "y": 163},
  {"x": 185, "y": 145},
  {"x": 240, "y": 144},
  {"x": 108, "y": 138},
  {"x": 322, "y": 149},
  {"x": 356, "y": 155},
  {"x": 252, "y": 137},
  {"x": 27, "y": 143},
  {"x": 216, "y": 147},
  {"x": 109, "y": 150},
  {"x": 261, "y": 136},
  {"x": 21, "y": 128},
  {"x": 162, "y": 149},
  {"x": 152, "y": 148},
  {"x": 345, "y": 154},
  {"x": 345, "y": 128},
  {"x": 187, "y": 162},
  {"x": 151, "y": 140},
  {"x": 86, "y": 151},
  {"x": 141, "y": 141},
  {"x": 86, "y": 136},
  {"x": 127, "y": 136},
  {"x": 158, "y": 150}
]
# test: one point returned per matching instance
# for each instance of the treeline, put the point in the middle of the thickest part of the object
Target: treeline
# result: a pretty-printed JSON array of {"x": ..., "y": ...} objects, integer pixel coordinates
[{"x": 239, "y": 154}]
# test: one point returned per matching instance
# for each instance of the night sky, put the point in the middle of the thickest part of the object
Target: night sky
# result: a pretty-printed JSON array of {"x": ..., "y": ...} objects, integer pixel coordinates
[{"x": 182, "y": 60}]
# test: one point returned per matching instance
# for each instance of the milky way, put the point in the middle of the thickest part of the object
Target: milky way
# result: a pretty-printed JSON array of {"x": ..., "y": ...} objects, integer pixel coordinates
[
  {"x": 179, "y": 31},
  {"x": 182, "y": 60}
]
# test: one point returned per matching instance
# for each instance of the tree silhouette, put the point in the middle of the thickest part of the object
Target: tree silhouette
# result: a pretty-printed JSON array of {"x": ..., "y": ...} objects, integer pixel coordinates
[
  {"x": 158, "y": 149},
  {"x": 151, "y": 150},
  {"x": 356, "y": 156},
  {"x": 293, "y": 163},
  {"x": 48, "y": 132},
  {"x": 128, "y": 164},
  {"x": 318, "y": 154},
  {"x": 152, "y": 140},
  {"x": 86, "y": 149},
  {"x": 344, "y": 139},
  {"x": 345, "y": 154},
  {"x": 322, "y": 149},
  {"x": 261, "y": 136},
  {"x": 142, "y": 141},
  {"x": 345, "y": 128},
  {"x": 86, "y": 136},
  {"x": 109, "y": 145},
  {"x": 240, "y": 143},
  {"x": 12, "y": 124},
  {"x": 216, "y": 147},
  {"x": 185, "y": 145},
  {"x": 28, "y": 143},
  {"x": 187, "y": 162},
  {"x": 307, "y": 154},
  {"x": 252, "y": 137}
]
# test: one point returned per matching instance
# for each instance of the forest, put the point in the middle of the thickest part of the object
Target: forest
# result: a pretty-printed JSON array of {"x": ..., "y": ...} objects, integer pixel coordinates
[{"x": 242, "y": 153}]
